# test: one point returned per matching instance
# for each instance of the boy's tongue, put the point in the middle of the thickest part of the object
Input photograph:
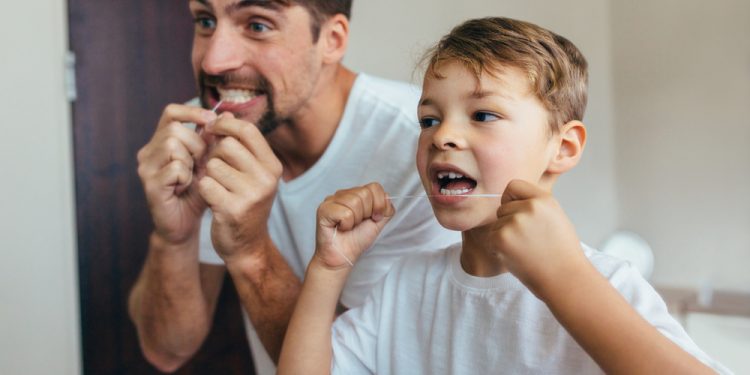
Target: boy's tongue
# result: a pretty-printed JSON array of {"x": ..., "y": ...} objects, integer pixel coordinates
[{"x": 459, "y": 184}]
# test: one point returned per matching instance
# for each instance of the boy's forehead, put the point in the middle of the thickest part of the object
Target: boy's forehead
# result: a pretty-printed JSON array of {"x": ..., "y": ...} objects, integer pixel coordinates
[{"x": 497, "y": 80}]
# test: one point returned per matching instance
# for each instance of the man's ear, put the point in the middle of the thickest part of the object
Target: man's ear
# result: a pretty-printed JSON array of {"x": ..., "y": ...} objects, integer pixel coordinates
[
  {"x": 334, "y": 37},
  {"x": 572, "y": 141}
]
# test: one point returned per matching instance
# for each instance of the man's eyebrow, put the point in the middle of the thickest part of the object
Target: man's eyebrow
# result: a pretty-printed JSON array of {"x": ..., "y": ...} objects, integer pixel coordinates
[{"x": 268, "y": 4}]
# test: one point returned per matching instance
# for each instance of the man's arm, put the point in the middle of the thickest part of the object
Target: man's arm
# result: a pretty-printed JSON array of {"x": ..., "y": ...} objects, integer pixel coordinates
[
  {"x": 173, "y": 302},
  {"x": 268, "y": 290}
]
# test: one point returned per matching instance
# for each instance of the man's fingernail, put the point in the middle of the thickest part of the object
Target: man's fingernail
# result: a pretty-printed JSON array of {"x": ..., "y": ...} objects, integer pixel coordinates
[
  {"x": 377, "y": 217},
  {"x": 209, "y": 116}
]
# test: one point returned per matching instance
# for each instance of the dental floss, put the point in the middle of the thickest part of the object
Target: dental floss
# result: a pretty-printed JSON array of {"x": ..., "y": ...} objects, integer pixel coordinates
[
  {"x": 216, "y": 107},
  {"x": 335, "y": 229}
]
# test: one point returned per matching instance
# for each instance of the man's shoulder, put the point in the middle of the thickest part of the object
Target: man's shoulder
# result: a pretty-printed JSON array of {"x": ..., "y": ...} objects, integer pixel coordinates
[{"x": 396, "y": 94}]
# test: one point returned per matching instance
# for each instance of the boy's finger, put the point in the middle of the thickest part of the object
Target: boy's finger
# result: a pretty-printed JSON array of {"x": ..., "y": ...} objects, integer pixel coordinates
[{"x": 520, "y": 190}]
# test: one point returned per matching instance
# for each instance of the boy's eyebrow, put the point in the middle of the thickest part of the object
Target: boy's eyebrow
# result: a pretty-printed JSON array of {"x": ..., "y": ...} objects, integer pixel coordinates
[
  {"x": 481, "y": 94},
  {"x": 426, "y": 101}
]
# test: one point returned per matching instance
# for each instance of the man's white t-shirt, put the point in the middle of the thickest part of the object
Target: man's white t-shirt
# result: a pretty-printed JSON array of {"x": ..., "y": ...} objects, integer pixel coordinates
[
  {"x": 428, "y": 316},
  {"x": 375, "y": 141}
]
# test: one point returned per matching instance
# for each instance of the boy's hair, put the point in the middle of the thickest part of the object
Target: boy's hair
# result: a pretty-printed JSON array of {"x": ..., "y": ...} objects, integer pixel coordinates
[
  {"x": 321, "y": 10},
  {"x": 556, "y": 69}
]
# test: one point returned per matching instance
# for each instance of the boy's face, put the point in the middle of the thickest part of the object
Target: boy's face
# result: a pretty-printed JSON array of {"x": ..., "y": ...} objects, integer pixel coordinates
[
  {"x": 476, "y": 138},
  {"x": 258, "y": 56}
]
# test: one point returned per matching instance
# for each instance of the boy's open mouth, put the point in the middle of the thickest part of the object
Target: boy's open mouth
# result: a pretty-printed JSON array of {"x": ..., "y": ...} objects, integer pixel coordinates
[{"x": 454, "y": 183}]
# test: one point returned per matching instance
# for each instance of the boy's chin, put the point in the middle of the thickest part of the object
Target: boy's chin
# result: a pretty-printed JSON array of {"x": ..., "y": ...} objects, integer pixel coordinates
[{"x": 462, "y": 224}]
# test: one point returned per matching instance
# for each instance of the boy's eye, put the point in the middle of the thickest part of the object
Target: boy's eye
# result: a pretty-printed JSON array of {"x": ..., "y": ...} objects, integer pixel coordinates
[
  {"x": 204, "y": 23},
  {"x": 428, "y": 122},
  {"x": 485, "y": 116}
]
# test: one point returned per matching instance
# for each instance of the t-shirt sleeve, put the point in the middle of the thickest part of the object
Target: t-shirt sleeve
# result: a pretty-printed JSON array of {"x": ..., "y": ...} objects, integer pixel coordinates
[
  {"x": 642, "y": 296},
  {"x": 206, "y": 252},
  {"x": 354, "y": 337}
]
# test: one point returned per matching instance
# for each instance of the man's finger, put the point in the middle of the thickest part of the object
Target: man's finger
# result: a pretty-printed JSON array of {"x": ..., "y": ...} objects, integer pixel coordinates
[
  {"x": 248, "y": 134},
  {"x": 185, "y": 114}
]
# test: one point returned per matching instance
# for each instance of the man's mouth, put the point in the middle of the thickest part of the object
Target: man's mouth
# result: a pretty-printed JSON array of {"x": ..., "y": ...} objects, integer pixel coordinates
[
  {"x": 235, "y": 96},
  {"x": 454, "y": 183}
]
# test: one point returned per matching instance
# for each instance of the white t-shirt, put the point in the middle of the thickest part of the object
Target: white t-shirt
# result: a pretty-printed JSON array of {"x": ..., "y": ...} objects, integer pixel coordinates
[
  {"x": 428, "y": 316},
  {"x": 375, "y": 142}
]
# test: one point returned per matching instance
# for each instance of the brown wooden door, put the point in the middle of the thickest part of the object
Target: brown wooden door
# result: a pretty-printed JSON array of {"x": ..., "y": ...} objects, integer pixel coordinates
[{"x": 133, "y": 57}]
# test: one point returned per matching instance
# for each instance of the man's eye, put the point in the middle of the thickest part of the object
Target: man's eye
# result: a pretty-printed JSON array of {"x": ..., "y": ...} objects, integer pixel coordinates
[
  {"x": 428, "y": 122},
  {"x": 204, "y": 23},
  {"x": 485, "y": 116},
  {"x": 258, "y": 27}
]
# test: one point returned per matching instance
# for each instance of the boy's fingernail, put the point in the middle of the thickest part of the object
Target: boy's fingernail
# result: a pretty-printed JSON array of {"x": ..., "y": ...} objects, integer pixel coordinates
[{"x": 377, "y": 217}]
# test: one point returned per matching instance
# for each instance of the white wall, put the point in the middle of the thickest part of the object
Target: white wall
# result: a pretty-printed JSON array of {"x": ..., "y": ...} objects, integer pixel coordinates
[
  {"x": 682, "y": 73},
  {"x": 39, "y": 324},
  {"x": 389, "y": 36}
]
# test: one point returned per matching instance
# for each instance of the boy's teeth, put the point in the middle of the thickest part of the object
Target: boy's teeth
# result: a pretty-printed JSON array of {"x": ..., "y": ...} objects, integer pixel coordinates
[
  {"x": 235, "y": 95},
  {"x": 451, "y": 175},
  {"x": 454, "y": 192}
]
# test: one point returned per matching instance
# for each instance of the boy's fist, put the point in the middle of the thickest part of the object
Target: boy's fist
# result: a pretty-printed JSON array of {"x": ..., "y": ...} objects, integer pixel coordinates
[
  {"x": 534, "y": 237},
  {"x": 348, "y": 223}
]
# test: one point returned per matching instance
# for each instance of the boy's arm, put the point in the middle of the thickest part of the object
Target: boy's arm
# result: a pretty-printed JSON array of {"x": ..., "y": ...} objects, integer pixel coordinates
[
  {"x": 538, "y": 245},
  {"x": 619, "y": 339},
  {"x": 348, "y": 223}
]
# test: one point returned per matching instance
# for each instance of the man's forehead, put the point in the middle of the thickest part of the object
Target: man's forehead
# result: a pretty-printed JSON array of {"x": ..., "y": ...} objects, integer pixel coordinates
[{"x": 234, "y": 5}]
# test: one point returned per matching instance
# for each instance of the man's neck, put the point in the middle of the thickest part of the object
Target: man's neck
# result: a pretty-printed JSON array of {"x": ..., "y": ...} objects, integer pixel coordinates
[{"x": 300, "y": 143}]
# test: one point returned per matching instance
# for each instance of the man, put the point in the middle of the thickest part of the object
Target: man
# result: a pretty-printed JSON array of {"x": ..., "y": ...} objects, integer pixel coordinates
[{"x": 295, "y": 126}]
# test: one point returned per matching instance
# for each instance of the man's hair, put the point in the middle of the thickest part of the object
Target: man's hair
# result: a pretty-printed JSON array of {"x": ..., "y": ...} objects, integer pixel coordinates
[
  {"x": 321, "y": 10},
  {"x": 556, "y": 69}
]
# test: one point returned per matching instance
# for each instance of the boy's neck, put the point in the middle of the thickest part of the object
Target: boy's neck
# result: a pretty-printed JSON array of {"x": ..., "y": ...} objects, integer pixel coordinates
[{"x": 477, "y": 256}]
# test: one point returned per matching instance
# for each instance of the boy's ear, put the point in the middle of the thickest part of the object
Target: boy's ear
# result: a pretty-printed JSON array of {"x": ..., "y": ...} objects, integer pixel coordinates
[
  {"x": 334, "y": 38},
  {"x": 572, "y": 141}
]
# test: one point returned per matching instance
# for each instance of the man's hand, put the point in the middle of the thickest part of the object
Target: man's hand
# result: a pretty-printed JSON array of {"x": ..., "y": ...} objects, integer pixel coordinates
[
  {"x": 166, "y": 166},
  {"x": 242, "y": 175},
  {"x": 356, "y": 216},
  {"x": 534, "y": 237}
]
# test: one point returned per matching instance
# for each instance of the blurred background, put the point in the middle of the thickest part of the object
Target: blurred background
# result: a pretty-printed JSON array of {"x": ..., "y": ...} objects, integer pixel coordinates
[{"x": 84, "y": 82}]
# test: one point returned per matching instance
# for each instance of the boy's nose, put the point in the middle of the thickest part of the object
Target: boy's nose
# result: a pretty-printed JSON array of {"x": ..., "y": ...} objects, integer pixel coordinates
[
  {"x": 448, "y": 136},
  {"x": 224, "y": 52}
]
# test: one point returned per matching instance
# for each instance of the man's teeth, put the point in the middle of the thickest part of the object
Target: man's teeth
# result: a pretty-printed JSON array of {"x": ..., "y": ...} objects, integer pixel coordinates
[
  {"x": 235, "y": 95},
  {"x": 454, "y": 192},
  {"x": 451, "y": 175}
]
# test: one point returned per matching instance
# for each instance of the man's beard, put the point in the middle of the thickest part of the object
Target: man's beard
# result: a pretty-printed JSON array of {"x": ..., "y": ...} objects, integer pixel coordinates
[{"x": 268, "y": 121}]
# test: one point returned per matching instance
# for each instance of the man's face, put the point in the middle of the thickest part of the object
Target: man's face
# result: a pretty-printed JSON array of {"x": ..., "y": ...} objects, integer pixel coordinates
[
  {"x": 475, "y": 139},
  {"x": 258, "y": 56}
]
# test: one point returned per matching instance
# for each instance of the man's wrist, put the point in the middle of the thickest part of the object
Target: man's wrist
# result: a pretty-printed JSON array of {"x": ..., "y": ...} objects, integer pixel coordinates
[{"x": 162, "y": 243}]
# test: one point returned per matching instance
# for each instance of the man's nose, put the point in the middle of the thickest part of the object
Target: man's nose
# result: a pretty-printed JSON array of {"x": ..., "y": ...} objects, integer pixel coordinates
[{"x": 224, "y": 52}]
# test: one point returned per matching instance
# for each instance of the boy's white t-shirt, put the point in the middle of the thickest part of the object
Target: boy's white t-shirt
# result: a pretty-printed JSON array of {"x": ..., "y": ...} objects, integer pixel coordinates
[
  {"x": 375, "y": 141},
  {"x": 428, "y": 316}
]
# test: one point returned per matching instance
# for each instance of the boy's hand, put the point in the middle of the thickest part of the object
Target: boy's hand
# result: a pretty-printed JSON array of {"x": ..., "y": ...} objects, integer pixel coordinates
[
  {"x": 356, "y": 216},
  {"x": 534, "y": 237}
]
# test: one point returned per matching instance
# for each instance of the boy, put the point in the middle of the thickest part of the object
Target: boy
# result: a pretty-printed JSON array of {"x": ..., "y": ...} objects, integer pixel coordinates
[{"x": 500, "y": 113}]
